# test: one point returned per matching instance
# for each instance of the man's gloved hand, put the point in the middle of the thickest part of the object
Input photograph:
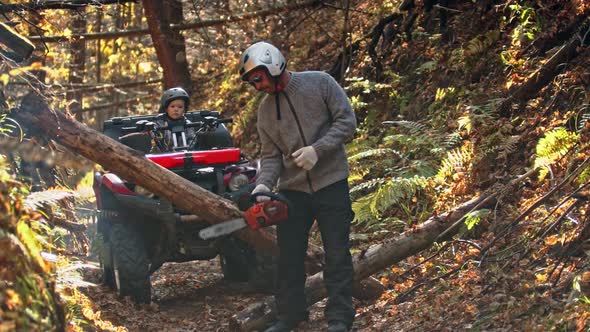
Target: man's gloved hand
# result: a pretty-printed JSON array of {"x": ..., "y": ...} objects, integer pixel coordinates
[
  {"x": 306, "y": 157},
  {"x": 261, "y": 188}
]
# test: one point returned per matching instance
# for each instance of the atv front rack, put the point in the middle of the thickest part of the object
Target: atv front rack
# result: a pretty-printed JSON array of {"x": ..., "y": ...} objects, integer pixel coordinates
[{"x": 189, "y": 158}]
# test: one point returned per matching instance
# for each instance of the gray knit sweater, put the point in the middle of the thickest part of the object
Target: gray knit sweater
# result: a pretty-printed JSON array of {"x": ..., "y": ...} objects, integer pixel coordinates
[{"x": 313, "y": 105}]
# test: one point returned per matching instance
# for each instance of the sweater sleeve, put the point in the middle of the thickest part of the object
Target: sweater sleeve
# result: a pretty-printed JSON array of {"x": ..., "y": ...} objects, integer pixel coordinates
[
  {"x": 343, "y": 119},
  {"x": 270, "y": 160}
]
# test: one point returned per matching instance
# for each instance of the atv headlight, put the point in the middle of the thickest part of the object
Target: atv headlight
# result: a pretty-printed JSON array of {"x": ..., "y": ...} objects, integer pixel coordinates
[
  {"x": 143, "y": 192},
  {"x": 237, "y": 181}
]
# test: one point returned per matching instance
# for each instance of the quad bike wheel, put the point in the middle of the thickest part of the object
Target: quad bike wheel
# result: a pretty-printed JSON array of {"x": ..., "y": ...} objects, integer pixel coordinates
[
  {"x": 233, "y": 268},
  {"x": 130, "y": 262},
  {"x": 241, "y": 263},
  {"x": 105, "y": 256},
  {"x": 263, "y": 272}
]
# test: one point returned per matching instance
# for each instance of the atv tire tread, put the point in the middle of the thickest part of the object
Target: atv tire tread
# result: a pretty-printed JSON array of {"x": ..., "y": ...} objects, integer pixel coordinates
[
  {"x": 131, "y": 263},
  {"x": 104, "y": 248},
  {"x": 239, "y": 262}
]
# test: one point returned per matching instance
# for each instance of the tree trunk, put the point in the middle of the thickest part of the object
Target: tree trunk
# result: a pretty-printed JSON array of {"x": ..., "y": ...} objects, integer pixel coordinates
[
  {"x": 38, "y": 55},
  {"x": 77, "y": 64},
  {"x": 373, "y": 260},
  {"x": 169, "y": 44},
  {"x": 21, "y": 48}
]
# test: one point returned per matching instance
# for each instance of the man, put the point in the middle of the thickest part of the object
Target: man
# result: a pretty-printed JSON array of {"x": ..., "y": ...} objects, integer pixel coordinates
[{"x": 303, "y": 122}]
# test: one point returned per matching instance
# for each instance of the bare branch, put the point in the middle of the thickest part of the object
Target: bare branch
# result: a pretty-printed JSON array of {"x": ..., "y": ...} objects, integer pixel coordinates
[
  {"x": 58, "y": 4},
  {"x": 179, "y": 27}
]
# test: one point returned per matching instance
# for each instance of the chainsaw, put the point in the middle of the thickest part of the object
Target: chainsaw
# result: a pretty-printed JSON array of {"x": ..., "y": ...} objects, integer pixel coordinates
[{"x": 261, "y": 214}]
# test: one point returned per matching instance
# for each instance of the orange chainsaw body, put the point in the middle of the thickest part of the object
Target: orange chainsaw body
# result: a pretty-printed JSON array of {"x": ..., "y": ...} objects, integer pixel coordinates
[{"x": 266, "y": 213}]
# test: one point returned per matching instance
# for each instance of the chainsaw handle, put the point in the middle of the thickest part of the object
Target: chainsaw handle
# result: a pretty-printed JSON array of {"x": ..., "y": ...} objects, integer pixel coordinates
[{"x": 272, "y": 196}]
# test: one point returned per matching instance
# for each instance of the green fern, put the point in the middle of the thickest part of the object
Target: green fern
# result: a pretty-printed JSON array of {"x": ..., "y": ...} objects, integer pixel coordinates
[
  {"x": 457, "y": 158},
  {"x": 473, "y": 218},
  {"x": 488, "y": 110},
  {"x": 38, "y": 199},
  {"x": 552, "y": 147},
  {"x": 508, "y": 146},
  {"x": 372, "y": 153},
  {"x": 419, "y": 167},
  {"x": 360, "y": 144},
  {"x": 367, "y": 186},
  {"x": 481, "y": 43},
  {"x": 451, "y": 141},
  {"x": 396, "y": 190},
  {"x": 10, "y": 128},
  {"x": 584, "y": 176},
  {"x": 582, "y": 119},
  {"x": 413, "y": 127},
  {"x": 370, "y": 208}
]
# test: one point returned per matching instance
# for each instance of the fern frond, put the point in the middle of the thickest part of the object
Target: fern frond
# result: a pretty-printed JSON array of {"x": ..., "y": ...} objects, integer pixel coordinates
[
  {"x": 452, "y": 140},
  {"x": 10, "y": 128},
  {"x": 30, "y": 240},
  {"x": 413, "y": 127},
  {"x": 397, "y": 190},
  {"x": 38, "y": 199},
  {"x": 583, "y": 119},
  {"x": 362, "y": 210},
  {"x": 360, "y": 144},
  {"x": 457, "y": 158},
  {"x": 373, "y": 152},
  {"x": 552, "y": 147},
  {"x": 488, "y": 109},
  {"x": 481, "y": 43},
  {"x": 508, "y": 146},
  {"x": 368, "y": 185},
  {"x": 371, "y": 206},
  {"x": 584, "y": 176}
]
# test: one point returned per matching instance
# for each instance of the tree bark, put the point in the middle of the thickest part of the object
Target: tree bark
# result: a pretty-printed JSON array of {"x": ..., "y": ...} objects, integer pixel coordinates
[
  {"x": 77, "y": 64},
  {"x": 169, "y": 44},
  {"x": 375, "y": 259},
  {"x": 21, "y": 47}
]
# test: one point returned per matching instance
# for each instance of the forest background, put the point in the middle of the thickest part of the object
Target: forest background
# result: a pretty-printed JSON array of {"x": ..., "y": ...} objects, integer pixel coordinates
[{"x": 455, "y": 100}]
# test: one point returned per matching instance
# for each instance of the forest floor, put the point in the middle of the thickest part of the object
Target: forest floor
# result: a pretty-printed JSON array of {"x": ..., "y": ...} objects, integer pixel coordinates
[
  {"x": 193, "y": 296},
  {"x": 190, "y": 296}
]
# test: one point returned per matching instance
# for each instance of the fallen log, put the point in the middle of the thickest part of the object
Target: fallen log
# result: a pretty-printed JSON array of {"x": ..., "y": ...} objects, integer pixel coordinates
[
  {"x": 374, "y": 259},
  {"x": 133, "y": 166},
  {"x": 380, "y": 256}
]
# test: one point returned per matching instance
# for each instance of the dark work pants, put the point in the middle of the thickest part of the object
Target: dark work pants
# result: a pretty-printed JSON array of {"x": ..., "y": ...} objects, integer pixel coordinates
[{"x": 331, "y": 208}]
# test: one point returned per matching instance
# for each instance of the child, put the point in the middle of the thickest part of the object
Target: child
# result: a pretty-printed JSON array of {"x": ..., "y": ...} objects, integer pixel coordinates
[{"x": 173, "y": 104}]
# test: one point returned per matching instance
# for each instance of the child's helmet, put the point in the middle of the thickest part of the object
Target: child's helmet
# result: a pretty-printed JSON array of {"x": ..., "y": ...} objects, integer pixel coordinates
[
  {"x": 262, "y": 54},
  {"x": 173, "y": 94}
]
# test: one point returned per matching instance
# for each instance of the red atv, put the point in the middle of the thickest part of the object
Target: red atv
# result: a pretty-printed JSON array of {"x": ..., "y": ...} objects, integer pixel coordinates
[{"x": 138, "y": 231}]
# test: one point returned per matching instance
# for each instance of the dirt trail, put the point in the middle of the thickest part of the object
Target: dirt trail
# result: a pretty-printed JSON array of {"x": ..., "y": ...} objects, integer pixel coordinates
[{"x": 191, "y": 296}]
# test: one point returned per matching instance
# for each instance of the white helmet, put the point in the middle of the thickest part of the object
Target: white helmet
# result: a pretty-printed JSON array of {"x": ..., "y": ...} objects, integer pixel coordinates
[{"x": 265, "y": 55}]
